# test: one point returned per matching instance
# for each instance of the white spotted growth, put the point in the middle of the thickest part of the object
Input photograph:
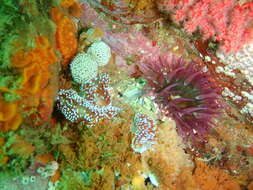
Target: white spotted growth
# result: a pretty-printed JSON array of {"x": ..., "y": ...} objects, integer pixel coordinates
[
  {"x": 100, "y": 52},
  {"x": 90, "y": 106},
  {"x": 83, "y": 68},
  {"x": 145, "y": 133}
]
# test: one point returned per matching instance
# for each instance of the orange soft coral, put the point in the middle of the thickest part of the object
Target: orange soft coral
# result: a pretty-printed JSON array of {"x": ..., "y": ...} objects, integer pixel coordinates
[
  {"x": 34, "y": 66},
  {"x": 65, "y": 36},
  {"x": 67, "y": 3},
  {"x": 46, "y": 104},
  {"x": 32, "y": 79},
  {"x": 20, "y": 58},
  {"x": 13, "y": 123},
  {"x": 73, "y": 7},
  {"x": 36, "y": 74},
  {"x": 7, "y": 110},
  {"x": 9, "y": 118},
  {"x": 66, "y": 39},
  {"x": 75, "y": 10},
  {"x": 43, "y": 55},
  {"x": 56, "y": 14}
]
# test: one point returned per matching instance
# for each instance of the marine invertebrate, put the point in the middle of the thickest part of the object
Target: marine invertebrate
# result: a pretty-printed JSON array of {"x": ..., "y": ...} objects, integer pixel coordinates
[
  {"x": 13, "y": 123},
  {"x": 10, "y": 119},
  {"x": 67, "y": 3},
  {"x": 75, "y": 108},
  {"x": 65, "y": 36},
  {"x": 8, "y": 110},
  {"x": 97, "y": 89},
  {"x": 83, "y": 68},
  {"x": 90, "y": 106},
  {"x": 183, "y": 91},
  {"x": 228, "y": 22},
  {"x": 144, "y": 130},
  {"x": 32, "y": 80},
  {"x": 100, "y": 52},
  {"x": 47, "y": 103},
  {"x": 75, "y": 10},
  {"x": 34, "y": 65},
  {"x": 43, "y": 54},
  {"x": 17, "y": 46}
]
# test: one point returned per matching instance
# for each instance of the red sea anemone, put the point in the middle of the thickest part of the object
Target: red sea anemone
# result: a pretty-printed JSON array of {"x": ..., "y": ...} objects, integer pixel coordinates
[{"x": 182, "y": 91}]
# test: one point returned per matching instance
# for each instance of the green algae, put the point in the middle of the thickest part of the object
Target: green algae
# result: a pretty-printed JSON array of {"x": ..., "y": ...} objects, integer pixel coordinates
[
  {"x": 17, "y": 162},
  {"x": 73, "y": 180}
]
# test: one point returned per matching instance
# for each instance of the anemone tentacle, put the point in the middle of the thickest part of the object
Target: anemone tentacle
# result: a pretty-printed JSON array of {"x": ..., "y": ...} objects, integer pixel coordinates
[{"x": 184, "y": 92}]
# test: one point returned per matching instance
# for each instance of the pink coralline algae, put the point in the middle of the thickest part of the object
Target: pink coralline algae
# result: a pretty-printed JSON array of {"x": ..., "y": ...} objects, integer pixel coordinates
[
  {"x": 182, "y": 91},
  {"x": 90, "y": 106},
  {"x": 124, "y": 11},
  {"x": 145, "y": 133},
  {"x": 224, "y": 20},
  {"x": 124, "y": 44},
  {"x": 134, "y": 44}
]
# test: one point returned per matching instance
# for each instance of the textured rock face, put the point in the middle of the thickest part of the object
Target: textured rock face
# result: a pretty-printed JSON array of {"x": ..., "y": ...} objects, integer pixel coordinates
[{"x": 239, "y": 62}]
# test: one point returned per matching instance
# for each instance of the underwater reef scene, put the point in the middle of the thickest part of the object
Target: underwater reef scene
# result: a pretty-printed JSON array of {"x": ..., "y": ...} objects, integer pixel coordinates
[{"x": 126, "y": 95}]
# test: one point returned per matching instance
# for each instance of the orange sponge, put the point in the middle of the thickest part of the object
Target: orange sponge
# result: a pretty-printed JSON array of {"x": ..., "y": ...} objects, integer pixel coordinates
[
  {"x": 75, "y": 10},
  {"x": 9, "y": 118},
  {"x": 43, "y": 55},
  {"x": 65, "y": 34},
  {"x": 13, "y": 123},
  {"x": 31, "y": 79},
  {"x": 67, "y": 3},
  {"x": 7, "y": 110}
]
